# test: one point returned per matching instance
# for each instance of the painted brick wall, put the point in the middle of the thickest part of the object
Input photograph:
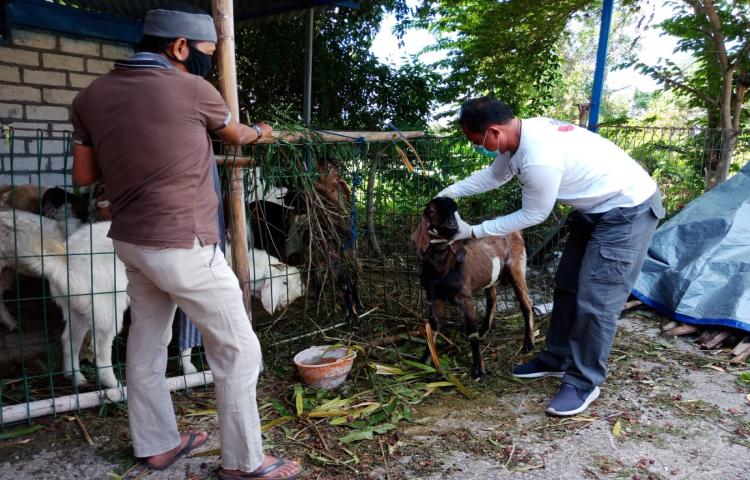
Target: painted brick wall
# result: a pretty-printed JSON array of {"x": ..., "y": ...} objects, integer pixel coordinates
[{"x": 40, "y": 74}]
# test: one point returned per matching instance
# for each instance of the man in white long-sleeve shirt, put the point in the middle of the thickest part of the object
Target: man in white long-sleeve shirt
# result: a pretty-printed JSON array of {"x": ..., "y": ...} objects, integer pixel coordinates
[{"x": 616, "y": 210}]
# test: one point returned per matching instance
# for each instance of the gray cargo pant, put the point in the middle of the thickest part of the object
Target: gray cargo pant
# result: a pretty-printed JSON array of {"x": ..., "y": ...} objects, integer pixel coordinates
[{"x": 601, "y": 261}]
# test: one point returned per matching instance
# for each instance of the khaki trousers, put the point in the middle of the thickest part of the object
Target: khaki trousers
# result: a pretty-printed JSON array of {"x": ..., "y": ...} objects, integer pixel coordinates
[{"x": 200, "y": 282}]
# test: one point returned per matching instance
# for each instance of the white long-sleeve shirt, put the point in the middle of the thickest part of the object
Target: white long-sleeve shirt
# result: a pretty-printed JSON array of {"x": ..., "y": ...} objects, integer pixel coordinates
[{"x": 559, "y": 161}]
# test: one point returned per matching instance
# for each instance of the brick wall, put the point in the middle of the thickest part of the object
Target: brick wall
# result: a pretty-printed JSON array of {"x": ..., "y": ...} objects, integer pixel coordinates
[{"x": 40, "y": 74}]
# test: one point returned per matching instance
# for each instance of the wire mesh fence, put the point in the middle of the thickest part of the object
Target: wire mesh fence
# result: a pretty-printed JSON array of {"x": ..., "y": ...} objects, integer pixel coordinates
[{"x": 335, "y": 219}]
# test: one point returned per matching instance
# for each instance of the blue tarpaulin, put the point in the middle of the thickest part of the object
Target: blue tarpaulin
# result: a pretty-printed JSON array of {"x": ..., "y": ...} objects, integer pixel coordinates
[{"x": 698, "y": 267}]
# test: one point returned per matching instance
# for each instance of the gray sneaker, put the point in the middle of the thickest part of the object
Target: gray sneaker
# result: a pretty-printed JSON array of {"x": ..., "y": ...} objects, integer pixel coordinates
[
  {"x": 536, "y": 368},
  {"x": 570, "y": 400}
]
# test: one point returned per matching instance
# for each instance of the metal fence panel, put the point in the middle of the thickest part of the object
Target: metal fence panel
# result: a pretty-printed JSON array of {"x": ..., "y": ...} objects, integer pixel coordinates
[{"x": 386, "y": 201}]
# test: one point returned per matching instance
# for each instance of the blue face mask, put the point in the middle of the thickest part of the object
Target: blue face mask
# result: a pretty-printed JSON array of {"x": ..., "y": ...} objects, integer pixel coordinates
[{"x": 482, "y": 150}]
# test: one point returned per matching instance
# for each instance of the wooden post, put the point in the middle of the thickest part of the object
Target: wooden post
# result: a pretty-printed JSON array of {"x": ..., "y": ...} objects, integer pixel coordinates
[{"x": 223, "y": 13}]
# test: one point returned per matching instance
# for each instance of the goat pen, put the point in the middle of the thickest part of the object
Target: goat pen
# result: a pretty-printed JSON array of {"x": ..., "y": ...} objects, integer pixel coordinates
[{"x": 387, "y": 184}]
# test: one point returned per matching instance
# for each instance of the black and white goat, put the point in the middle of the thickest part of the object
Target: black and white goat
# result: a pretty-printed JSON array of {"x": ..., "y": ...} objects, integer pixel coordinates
[
  {"x": 282, "y": 227},
  {"x": 86, "y": 280},
  {"x": 453, "y": 271}
]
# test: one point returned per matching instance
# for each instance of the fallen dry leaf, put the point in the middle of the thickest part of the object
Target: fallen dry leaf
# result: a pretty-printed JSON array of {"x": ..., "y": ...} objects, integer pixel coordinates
[{"x": 617, "y": 429}]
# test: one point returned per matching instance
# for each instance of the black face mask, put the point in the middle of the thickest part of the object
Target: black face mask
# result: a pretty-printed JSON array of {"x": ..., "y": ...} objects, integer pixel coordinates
[{"x": 197, "y": 62}]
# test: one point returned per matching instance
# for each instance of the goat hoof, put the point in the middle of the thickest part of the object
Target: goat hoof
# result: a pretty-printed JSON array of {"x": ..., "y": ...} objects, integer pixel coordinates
[
  {"x": 11, "y": 324},
  {"x": 426, "y": 357},
  {"x": 111, "y": 383},
  {"x": 528, "y": 347},
  {"x": 78, "y": 379},
  {"x": 477, "y": 375}
]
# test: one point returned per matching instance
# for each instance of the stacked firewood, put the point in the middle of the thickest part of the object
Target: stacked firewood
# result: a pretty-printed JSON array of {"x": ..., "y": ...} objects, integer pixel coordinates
[{"x": 709, "y": 337}]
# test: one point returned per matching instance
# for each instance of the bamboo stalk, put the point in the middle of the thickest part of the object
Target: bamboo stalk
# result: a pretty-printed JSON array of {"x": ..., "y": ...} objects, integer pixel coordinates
[
  {"x": 85, "y": 432},
  {"x": 370, "y": 208},
  {"x": 338, "y": 136},
  {"x": 223, "y": 13}
]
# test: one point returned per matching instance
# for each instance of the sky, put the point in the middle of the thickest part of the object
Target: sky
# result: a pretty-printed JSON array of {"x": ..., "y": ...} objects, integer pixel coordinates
[{"x": 654, "y": 46}]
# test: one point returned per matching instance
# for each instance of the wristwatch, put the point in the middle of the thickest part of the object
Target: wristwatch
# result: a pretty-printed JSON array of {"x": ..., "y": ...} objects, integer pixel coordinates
[{"x": 257, "y": 129}]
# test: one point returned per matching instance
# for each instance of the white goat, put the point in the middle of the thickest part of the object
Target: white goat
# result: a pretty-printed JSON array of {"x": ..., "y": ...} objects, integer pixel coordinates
[
  {"x": 86, "y": 281},
  {"x": 46, "y": 229},
  {"x": 275, "y": 283}
]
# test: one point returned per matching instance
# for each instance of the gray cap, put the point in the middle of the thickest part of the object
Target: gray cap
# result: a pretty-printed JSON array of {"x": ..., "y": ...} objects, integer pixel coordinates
[{"x": 174, "y": 24}]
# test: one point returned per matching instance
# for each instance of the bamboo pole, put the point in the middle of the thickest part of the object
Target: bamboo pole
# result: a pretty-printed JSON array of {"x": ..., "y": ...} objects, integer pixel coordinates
[
  {"x": 223, "y": 13},
  {"x": 329, "y": 136},
  {"x": 338, "y": 136}
]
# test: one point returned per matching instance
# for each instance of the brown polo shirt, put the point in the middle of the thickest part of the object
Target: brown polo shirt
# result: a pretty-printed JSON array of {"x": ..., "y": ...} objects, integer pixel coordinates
[{"x": 149, "y": 129}]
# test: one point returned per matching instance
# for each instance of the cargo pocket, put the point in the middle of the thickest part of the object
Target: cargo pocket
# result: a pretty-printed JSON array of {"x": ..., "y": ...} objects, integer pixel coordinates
[{"x": 613, "y": 264}]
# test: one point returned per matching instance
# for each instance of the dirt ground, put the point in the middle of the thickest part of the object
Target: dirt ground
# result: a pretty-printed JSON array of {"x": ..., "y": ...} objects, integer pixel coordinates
[{"x": 667, "y": 411}]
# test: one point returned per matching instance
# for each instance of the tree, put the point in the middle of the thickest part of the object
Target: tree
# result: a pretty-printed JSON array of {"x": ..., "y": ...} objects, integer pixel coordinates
[
  {"x": 717, "y": 34},
  {"x": 577, "y": 47},
  {"x": 509, "y": 49},
  {"x": 351, "y": 88}
]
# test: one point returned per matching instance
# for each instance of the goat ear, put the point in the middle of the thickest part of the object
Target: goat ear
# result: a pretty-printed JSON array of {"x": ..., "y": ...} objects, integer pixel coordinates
[
  {"x": 266, "y": 297},
  {"x": 421, "y": 237}
]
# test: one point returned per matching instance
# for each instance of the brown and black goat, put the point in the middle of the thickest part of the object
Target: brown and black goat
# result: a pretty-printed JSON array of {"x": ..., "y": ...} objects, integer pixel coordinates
[
  {"x": 56, "y": 203},
  {"x": 452, "y": 271}
]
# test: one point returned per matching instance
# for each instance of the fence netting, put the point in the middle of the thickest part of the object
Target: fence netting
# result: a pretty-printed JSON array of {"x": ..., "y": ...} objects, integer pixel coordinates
[{"x": 334, "y": 216}]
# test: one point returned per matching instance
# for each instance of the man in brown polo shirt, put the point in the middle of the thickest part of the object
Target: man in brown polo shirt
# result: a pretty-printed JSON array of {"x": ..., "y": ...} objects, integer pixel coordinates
[{"x": 143, "y": 128}]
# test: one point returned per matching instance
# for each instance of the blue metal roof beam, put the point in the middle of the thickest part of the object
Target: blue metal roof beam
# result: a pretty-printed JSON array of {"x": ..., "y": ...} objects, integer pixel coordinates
[
  {"x": 83, "y": 22},
  {"x": 76, "y": 21}
]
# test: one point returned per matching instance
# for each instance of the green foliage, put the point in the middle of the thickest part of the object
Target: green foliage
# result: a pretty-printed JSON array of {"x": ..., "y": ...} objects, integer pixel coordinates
[
  {"x": 578, "y": 47},
  {"x": 701, "y": 82},
  {"x": 350, "y": 88},
  {"x": 507, "y": 49}
]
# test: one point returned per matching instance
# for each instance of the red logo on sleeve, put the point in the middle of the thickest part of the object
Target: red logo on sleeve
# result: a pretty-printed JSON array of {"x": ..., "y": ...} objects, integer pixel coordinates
[{"x": 565, "y": 128}]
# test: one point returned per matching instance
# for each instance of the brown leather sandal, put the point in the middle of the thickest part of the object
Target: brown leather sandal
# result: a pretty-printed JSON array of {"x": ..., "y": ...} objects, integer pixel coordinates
[
  {"x": 261, "y": 475},
  {"x": 191, "y": 444}
]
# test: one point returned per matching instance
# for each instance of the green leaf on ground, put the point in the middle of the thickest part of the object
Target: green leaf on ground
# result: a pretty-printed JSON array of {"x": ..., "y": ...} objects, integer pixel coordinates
[
  {"x": 357, "y": 436},
  {"x": 299, "y": 399},
  {"x": 280, "y": 409},
  {"x": 19, "y": 432}
]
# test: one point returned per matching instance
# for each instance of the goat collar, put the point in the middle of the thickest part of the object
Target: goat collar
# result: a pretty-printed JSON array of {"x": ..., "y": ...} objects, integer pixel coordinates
[
  {"x": 441, "y": 240},
  {"x": 456, "y": 248},
  {"x": 438, "y": 239}
]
